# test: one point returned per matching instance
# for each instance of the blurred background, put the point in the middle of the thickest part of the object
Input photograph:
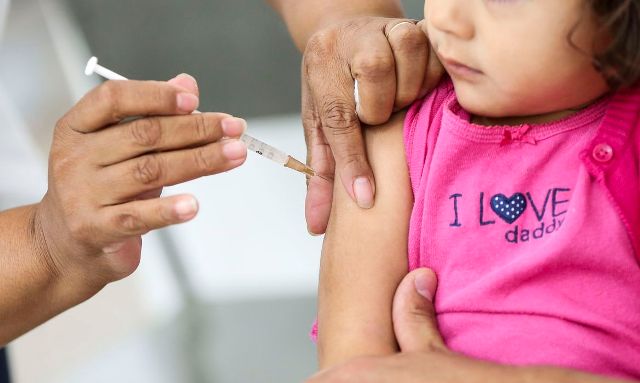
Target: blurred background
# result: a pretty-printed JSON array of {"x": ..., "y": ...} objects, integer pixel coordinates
[{"x": 228, "y": 297}]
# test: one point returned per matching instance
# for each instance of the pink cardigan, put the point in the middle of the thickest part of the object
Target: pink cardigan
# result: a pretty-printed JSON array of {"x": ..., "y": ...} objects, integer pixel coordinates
[{"x": 613, "y": 155}]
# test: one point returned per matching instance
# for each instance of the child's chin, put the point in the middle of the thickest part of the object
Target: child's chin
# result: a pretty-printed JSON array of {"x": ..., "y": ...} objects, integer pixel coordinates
[
  {"x": 483, "y": 107},
  {"x": 482, "y": 100}
]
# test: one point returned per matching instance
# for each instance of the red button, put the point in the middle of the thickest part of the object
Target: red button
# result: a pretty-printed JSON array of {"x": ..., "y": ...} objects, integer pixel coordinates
[{"x": 603, "y": 153}]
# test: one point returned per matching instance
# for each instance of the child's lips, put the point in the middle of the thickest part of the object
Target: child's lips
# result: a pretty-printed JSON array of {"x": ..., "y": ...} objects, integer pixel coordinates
[{"x": 456, "y": 68}]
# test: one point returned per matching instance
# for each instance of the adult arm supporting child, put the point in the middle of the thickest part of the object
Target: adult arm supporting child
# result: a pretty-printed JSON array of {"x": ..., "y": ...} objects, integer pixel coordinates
[
  {"x": 425, "y": 358},
  {"x": 364, "y": 256}
]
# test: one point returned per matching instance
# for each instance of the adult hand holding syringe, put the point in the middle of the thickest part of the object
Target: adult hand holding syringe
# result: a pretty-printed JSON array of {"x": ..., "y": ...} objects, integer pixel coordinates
[{"x": 252, "y": 143}]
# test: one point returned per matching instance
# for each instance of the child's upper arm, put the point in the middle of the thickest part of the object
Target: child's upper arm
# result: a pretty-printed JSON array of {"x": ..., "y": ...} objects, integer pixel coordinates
[{"x": 364, "y": 256}]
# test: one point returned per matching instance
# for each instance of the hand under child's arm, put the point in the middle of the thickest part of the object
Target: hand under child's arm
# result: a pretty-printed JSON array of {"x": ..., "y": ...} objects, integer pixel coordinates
[
  {"x": 365, "y": 256},
  {"x": 425, "y": 358}
]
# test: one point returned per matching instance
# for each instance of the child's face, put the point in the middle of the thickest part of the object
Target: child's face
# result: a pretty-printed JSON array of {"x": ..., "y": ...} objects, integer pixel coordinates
[{"x": 514, "y": 57}]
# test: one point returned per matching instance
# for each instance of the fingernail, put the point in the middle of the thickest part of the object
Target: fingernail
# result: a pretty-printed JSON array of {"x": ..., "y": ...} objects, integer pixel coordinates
[
  {"x": 194, "y": 82},
  {"x": 425, "y": 283},
  {"x": 233, "y": 127},
  {"x": 186, "y": 208},
  {"x": 311, "y": 233},
  {"x": 402, "y": 24},
  {"x": 363, "y": 192},
  {"x": 187, "y": 102},
  {"x": 234, "y": 149}
]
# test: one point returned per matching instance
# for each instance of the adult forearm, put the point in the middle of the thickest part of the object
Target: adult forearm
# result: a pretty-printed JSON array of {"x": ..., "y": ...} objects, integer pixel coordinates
[
  {"x": 304, "y": 18},
  {"x": 31, "y": 290},
  {"x": 560, "y": 375}
]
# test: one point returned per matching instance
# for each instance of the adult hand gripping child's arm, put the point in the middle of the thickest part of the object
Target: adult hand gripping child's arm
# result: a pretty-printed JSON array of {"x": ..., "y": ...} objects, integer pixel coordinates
[
  {"x": 389, "y": 55},
  {"x": 364, "y": 256}
]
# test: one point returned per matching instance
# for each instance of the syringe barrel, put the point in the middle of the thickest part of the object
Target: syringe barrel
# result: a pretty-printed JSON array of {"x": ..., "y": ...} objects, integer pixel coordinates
[{"x": 264, "y": 149}]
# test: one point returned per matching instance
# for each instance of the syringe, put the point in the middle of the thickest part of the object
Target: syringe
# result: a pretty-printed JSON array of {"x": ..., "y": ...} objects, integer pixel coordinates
[{"x": 252, "y": 143}]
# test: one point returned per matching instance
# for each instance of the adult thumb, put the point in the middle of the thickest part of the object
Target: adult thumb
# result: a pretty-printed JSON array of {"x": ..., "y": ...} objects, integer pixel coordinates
[{"x": 414, "y": 318}]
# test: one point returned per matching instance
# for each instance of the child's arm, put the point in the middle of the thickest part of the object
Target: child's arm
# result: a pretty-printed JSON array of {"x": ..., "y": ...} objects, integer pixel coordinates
[{"x": 364, "y": 256}]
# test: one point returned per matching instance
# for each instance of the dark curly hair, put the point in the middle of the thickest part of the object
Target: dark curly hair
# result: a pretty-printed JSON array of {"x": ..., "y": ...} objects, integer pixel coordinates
[{"x": 619, "y": 60}]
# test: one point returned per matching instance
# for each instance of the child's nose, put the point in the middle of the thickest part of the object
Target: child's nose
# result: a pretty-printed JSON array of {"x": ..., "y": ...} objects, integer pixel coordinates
[{"x": 452, "y": 17}]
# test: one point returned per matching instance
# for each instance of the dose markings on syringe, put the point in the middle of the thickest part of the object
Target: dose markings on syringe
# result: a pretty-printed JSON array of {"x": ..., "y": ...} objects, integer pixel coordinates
[{"x": 263, "y": 149}]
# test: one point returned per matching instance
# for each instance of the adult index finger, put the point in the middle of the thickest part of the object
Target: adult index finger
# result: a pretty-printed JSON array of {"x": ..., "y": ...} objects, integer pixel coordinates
[
  {"x": 113, "y": 101},
  {"x": 319, "y": 157},
  {"x": 157, "y": 134},
  {"x": 331, "y": 89}
]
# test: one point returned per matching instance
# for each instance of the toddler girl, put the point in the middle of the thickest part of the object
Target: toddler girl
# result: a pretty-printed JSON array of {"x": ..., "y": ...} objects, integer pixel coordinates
[{"x": 522, "y": 193}]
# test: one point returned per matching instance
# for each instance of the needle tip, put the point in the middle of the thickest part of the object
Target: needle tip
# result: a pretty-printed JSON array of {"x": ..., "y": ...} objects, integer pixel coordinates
[{"x": 323, "y": 177}]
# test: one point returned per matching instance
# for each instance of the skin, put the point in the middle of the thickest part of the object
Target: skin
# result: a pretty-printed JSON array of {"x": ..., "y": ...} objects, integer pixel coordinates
[
  {"x": 395, "y": 66},
  {"x": 364, "y": 257},
  {"x": 511, "y": 82},
  {"x": 304, "y": 18},
  {"x": 356, "y": 253},
  {"x": 85, "y": 233},
  {"x": 106, "y": 173},
  {"x": 372, "y": 42}
]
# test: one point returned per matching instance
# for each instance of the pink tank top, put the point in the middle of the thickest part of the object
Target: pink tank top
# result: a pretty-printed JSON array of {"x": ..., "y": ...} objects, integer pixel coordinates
[{"x": 535, "y": 265}]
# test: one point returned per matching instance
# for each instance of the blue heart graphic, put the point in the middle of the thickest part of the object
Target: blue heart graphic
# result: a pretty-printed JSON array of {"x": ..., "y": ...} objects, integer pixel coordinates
[{"x": 509, "y": 209}]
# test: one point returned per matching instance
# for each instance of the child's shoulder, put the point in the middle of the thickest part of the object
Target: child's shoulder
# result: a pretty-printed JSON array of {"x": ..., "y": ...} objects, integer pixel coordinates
[
  {"x": 422, "y": 123},
  {"x": 622, "y": 118},
  {"x": 426, "y": 111},
  {"x": 433, "y": 102},
  {"x": 615, "y": 152}
]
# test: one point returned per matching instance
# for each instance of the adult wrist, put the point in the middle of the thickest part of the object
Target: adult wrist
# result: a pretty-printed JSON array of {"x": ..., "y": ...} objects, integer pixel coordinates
[
  {"x": 40, "y": 248},
  {"x": 35, "y": 287},
  {"x": 67, "y": 280},
  {"x": 306, "y": 18}
]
